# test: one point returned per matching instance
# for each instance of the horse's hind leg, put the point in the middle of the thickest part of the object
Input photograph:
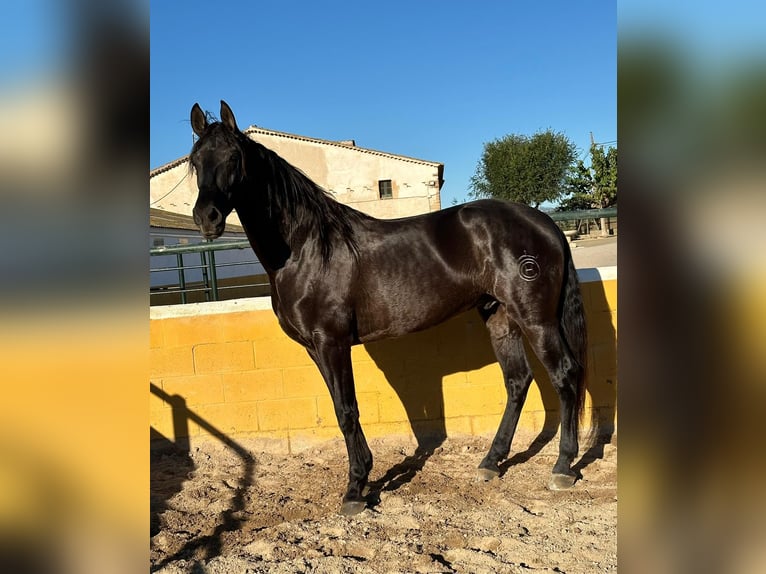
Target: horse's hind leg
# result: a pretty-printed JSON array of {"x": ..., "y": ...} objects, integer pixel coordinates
[
  {"x": 517, "y": 375},
  {"x": 549, "y": 346}
]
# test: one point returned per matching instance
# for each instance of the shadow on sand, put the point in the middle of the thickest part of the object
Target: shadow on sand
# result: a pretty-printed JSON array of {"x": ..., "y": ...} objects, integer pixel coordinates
[
  {"x": 166, "y": 480},
  {"x": 415, "y": 366}
]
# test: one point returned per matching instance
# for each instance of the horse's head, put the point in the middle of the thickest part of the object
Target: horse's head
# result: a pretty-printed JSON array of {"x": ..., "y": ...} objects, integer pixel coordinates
[{"x": 218, "y": 160}]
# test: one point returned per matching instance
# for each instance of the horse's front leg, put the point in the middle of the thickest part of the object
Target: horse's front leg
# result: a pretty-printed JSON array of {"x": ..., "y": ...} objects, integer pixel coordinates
[{"x": 334, "y": 362}]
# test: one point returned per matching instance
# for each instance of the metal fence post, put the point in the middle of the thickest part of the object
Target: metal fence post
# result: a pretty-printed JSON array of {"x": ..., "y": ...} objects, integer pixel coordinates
[
  {"x": 181, "y": 276},
  {"x": 204, "y": 269},
  {"x": 213, "y": 276}
]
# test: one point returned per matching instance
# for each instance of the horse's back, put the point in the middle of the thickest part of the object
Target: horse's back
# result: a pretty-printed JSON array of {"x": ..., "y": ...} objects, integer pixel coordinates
[
  {"x": 514, "y": 218},
  {"x": 492, "y": 232}
]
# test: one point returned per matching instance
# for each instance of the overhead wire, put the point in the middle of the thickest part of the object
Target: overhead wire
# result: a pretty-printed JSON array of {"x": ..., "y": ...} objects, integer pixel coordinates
[{"x": 172, "y": 189}]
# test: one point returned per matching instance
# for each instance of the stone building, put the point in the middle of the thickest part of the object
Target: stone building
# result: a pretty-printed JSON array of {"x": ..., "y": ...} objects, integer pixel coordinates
[{"x": 381, "y": 184}]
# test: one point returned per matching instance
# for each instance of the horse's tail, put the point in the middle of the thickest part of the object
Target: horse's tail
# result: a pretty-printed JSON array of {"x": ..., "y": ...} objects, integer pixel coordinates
[{"x": 574, "y": 328}]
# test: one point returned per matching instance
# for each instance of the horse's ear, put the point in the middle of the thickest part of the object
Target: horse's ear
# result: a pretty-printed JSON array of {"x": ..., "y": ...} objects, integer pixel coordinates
[
  {"x": 198, "y": 120},
  {"x": 227, "y": 116}
]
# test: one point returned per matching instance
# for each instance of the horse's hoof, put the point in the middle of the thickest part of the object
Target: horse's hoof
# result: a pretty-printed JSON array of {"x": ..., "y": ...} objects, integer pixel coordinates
[
  {"x": 561, "y": 482},
  {"x": 486, "y": 474},
  {"x": 352, "y": 507}
]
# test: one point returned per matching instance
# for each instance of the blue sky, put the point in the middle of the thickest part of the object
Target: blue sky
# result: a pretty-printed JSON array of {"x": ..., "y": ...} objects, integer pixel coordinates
[{"x": 429, "y": 79}]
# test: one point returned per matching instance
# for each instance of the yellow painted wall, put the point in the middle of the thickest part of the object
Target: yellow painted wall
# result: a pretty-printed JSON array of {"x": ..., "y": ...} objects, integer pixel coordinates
[{"x": 234, "y": 373}]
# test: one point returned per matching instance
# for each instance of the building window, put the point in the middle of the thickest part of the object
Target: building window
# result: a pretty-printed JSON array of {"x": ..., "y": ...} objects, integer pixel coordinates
[{"x": 385, "y": 189}]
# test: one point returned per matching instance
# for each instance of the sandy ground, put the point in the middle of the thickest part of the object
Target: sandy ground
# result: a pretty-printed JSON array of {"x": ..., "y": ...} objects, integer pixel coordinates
[{"x": 216, "y": 511}]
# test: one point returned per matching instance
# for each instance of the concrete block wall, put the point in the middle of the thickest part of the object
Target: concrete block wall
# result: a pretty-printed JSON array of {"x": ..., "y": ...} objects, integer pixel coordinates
[{"x": 227, "y": 369}]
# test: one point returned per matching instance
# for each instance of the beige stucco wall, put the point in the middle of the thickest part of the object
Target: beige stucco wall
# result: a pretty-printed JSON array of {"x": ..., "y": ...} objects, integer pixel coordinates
[{"x": 349, "y": 173}]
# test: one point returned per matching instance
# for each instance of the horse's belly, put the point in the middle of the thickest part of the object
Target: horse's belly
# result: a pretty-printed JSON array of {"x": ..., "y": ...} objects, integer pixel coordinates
[{"x": 383, "y": 321}]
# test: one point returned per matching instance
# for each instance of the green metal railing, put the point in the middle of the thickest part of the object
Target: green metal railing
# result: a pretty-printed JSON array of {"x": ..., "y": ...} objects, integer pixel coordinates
[
  {"x": 582, "y": 217},
  {"x": 583, "y": 214},
  {"x": 207, "y": 265}
]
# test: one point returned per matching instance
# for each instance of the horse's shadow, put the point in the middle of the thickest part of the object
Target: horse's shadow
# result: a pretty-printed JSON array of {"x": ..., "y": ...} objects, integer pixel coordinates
[{"x": 415, "y": 366}]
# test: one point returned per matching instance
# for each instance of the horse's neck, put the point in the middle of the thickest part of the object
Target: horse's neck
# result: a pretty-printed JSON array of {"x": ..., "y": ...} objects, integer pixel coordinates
[
  {"x": 275, "y": 236},
  {"x": 264, "y": 231}
]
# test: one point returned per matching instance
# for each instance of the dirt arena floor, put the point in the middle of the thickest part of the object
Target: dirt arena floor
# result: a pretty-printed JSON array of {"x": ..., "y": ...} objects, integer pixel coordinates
[{"x": 216, "y": 510}]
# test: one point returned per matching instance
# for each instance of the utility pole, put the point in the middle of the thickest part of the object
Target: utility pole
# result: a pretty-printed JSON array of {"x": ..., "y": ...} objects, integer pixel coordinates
[{"x": 604, "y": 220}]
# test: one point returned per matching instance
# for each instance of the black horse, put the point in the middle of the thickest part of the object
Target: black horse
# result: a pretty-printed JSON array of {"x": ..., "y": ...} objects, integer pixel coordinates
[{"x": 340, "y": 278}]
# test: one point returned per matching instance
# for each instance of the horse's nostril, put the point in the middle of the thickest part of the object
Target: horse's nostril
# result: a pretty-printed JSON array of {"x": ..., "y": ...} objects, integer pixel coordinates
[{"x": 214, "y": 215}]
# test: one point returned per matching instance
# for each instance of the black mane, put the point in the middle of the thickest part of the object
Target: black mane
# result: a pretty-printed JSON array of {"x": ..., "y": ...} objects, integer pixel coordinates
[{"x": 307, "y": 206}]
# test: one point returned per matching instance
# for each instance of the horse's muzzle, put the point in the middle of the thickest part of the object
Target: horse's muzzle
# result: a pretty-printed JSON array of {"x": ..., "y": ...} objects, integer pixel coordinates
[
  {"x": 211, "y": 222},
  {"x": 210, "y": 235}
]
